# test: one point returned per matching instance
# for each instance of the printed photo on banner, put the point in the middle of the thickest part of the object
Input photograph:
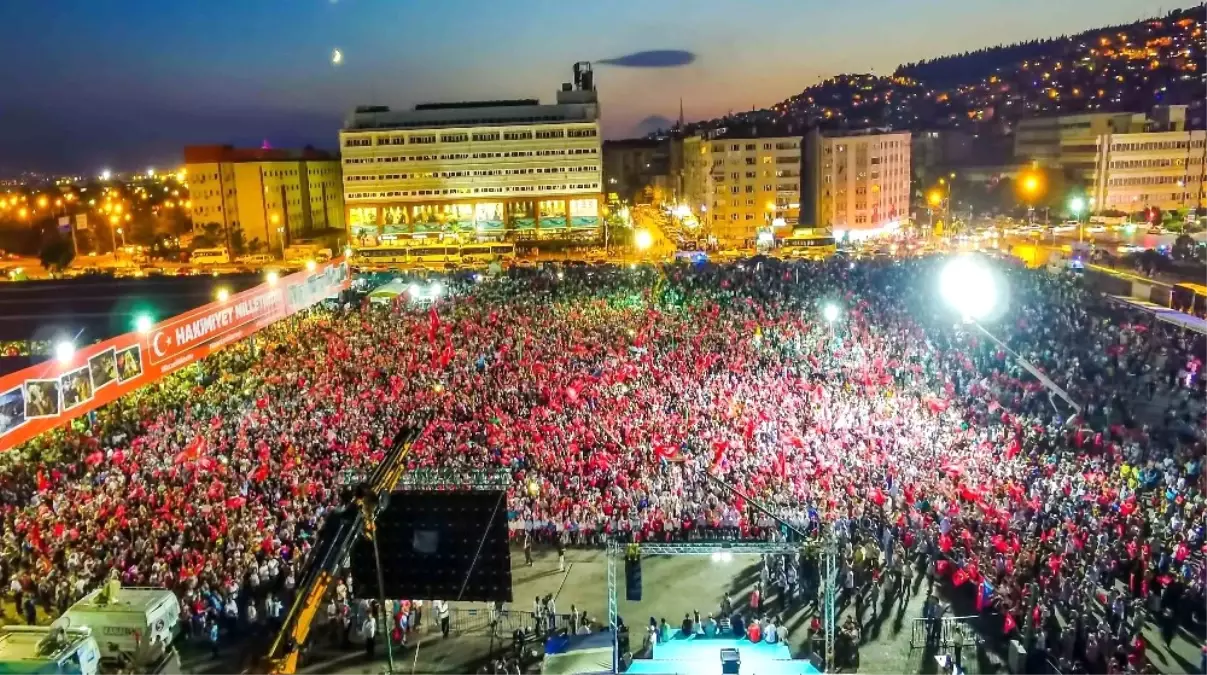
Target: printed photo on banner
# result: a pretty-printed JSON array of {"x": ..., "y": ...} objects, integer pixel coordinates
[
  {"x": 129, "y": 363},
  {"x": 12, "y": 409},
  {"x": 104, "y": 368},
  {"x": 41, "y": 398},
  {"x": 76, "y": 387}
]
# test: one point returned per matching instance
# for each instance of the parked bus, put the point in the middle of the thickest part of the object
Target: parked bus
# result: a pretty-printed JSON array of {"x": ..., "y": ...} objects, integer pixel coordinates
[
  {"x": 486, "y": 253},
  {"x": 380, "y": 255},
  {"x": 210, "y": 256},
  {"x": 808, "y": 243},
  {"x": 435, "y": 254},
  {"x": 1189, "y": 298}
]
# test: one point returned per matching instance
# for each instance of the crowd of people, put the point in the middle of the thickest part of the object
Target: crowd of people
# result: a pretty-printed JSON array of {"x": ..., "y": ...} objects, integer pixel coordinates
[{"x": 612, "y": 395}]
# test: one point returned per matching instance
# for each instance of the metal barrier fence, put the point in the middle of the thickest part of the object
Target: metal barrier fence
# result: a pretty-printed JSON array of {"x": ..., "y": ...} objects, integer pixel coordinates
[
  {"x": 478, "y": 621},
  {"x": 944, "y": 637}
]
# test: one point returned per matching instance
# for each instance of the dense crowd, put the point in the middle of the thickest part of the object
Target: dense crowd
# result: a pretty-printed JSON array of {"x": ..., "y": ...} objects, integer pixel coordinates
[{"x": 611, "y": 394}]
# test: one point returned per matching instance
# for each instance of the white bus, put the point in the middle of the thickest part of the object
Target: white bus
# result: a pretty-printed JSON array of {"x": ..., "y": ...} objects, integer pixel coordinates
[
  {"x": 434, "y": 254},
  {"x": 487, "y": 253},
  {"x": 210, "y": 256},
  {"x": 380, "y": 255}
]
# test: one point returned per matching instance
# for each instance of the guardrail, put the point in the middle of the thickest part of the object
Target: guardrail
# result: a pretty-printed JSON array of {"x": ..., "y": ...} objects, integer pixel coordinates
[{"x": 479, "y": 621}]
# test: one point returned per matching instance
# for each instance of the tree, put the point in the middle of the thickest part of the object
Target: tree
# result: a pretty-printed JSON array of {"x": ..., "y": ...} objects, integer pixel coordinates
[
  {"x": 57, "y": 253},
  {"x": 238, "y": 246},
  {"x": 210, "y": 237},
  {"x": 1183, "y": 248}
]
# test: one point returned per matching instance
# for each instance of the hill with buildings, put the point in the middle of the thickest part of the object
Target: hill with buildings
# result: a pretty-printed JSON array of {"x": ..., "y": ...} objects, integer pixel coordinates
[{"x": 1131, "y": 67}]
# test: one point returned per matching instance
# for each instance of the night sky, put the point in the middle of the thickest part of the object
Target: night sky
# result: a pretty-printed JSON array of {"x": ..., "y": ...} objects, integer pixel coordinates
[{"x": 87, "y": 84}]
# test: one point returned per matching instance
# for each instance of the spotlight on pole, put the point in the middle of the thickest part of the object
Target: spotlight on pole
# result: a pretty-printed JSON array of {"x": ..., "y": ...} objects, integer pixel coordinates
[
  {"x": 143, "y": 323},
  {"x": 967, "y": 284},
  {"x": 64, "y": 351},
  {"x": 830, "y": 312}
]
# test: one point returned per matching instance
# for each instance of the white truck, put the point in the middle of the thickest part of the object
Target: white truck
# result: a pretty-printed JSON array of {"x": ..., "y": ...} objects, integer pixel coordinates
[
  {"x": 31, "y": 650},
  {"x": 127, "y": 623}
]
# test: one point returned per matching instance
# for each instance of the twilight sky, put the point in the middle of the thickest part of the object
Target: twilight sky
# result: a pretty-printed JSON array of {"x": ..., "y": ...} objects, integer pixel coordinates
[{"x": 87, "y": 84}]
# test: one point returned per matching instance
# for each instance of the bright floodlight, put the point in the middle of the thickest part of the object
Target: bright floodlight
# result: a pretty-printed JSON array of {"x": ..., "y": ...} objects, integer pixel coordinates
[
  {"x": 968, "y": 286},
  {"x": 642, "y": 239},
  {"x": 830, "y": 312},
  {"x": 437, "y": 289},
  {"x": 413, "y": 289},
  {"x": 272, "y": 277},
  {"x": 310, "y": 265},
  {"x": 1076, "y": 205},
  {"x": 63, "y": 351},
  {"x": 223, "y": 295},
  {"x": 143, "y": 323}
]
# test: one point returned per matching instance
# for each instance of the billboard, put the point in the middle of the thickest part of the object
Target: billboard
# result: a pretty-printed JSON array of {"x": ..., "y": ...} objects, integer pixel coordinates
[{"x": 54, "y": 392}]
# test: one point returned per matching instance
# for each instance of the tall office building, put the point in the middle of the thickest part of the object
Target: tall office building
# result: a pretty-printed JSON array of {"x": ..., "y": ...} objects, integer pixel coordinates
[
  {"x": 476, "y": 170},
  {"x": 262, "y": 200},
  {"x": 738, "y": 187},
  {"x": 855, "y": 181},
  {"x": 1071, "y": 142},
  {"x": 1164, "y": 169}
]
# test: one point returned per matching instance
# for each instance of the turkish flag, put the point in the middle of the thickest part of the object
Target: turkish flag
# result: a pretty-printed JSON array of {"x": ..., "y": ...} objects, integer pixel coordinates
[
  {"x": 959, "y": 578},
  {"x": 945, "y": 543},
  {"x": 1009, "y": 624},
  {"x": 718, "y": 453}
]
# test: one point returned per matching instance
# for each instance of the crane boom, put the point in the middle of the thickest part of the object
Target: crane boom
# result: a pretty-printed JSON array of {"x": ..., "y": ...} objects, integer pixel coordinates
[{"x": 335, "y": 540}]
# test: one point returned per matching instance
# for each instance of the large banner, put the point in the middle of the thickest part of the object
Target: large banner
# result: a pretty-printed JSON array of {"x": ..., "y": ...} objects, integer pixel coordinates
[{"x": 54, "y": 392}]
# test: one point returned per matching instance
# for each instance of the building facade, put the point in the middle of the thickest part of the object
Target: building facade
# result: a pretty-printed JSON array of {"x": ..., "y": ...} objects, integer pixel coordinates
[
  {"x": 631, "y": 166},
  {"x": 857, "y": 181},
  {"x": 476, "y": 170},
  {"x": 1070, "y": 142},
  {"x": 263, "y": 200},
  {"x": 1134, "y": 172},
  {"x": 739, "y": 187}
]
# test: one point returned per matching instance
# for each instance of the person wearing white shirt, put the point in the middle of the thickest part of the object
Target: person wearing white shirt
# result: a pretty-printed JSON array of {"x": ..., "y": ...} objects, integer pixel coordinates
[
  {"x": 368, "y": 631},
  {"x": 769, "y": 632}
]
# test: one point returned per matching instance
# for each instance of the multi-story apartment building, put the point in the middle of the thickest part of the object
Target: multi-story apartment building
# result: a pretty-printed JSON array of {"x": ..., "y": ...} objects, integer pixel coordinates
[
  {"x": 738, "y": 187},
  {"x": 1133, "y": 172},
  {"x": 855, "y": 181},
  {"x": 485, "y": 169},
  {"x": 261, "y": 199}
]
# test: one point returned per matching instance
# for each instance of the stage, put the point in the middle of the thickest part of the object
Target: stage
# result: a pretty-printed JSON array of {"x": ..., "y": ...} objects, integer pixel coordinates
[{"x": 702, "y": 656}]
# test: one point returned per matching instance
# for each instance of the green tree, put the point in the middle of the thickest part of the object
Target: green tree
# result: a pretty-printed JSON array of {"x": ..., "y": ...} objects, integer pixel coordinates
[
  {"x": 209, "y": 237},
  {"x": 57, "y": 253},
  {"x": 1183, "y": 248},
  {"x": 238, "y": 246}
]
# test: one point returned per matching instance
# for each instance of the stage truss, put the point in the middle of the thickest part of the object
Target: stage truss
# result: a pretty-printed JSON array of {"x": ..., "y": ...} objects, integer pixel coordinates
[{"x": 829, "y": 575}]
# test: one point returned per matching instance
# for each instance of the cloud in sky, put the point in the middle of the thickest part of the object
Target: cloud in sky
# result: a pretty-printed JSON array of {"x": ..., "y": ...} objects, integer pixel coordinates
[{"x": 653, "y": 58}]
